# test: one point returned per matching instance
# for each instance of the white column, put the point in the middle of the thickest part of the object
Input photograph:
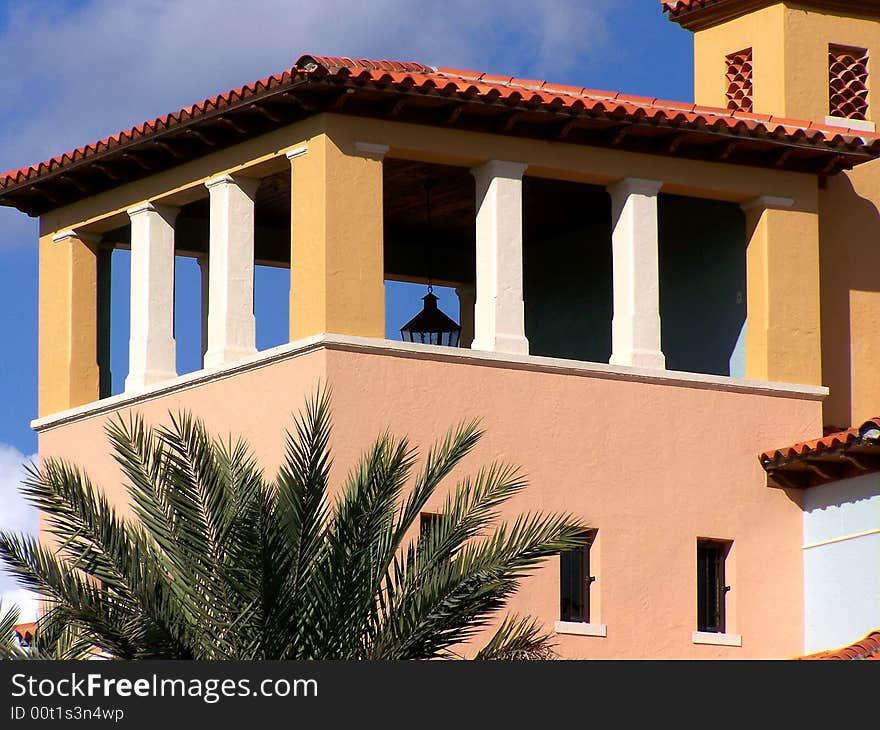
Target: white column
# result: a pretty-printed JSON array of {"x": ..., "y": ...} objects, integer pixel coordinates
[
  {"x": 466, "y": 299},
  {"x": 152, "y": 351},
  {"x": 231, "y": 323},
  {"x": 499, "y": 315},
  {"x": 635, "y": 329}
]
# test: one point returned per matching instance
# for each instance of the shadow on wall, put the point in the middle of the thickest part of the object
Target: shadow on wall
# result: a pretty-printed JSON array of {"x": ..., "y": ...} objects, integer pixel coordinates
[
  {"x": 851, "y": 492},
  {"x": 703, "y": 285},
  {"x": 568, "y": 277},
  {"x": 849, "y": 255}
]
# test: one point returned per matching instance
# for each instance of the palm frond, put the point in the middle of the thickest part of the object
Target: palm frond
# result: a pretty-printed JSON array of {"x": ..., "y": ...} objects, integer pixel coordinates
[
  {"x": 219, "y": 563},
  {"x": 518, "y": 638},
  {"x": 9, "y": 648}
]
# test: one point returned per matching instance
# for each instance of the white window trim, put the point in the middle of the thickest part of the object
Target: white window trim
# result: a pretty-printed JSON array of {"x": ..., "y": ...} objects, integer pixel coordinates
[
  {"x": 716, "y": 639},
  {"x": 581, "y": 628}
]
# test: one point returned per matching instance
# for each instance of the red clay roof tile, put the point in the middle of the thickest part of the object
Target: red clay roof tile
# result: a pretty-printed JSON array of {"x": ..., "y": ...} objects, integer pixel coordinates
[
  {"x": 866, "y": 648},
  {"x": 688, "y": 12},
  {"x": 831, "y": 441},
  {"x": 473, "y": 85}
]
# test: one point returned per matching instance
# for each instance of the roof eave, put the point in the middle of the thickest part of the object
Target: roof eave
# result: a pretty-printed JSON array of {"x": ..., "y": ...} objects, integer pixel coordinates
[
  {"x": 842, "y": 455},
  {"x": 663, "y": 128},
  {"x": 714, "y": 12}
]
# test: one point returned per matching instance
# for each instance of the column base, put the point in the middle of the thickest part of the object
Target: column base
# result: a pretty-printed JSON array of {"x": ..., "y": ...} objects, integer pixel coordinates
[
  {"x": 218, "y": 358},
  {"x": 511, "y": 344},
  {"x": 138, "y": 381},
  {"x": 648, "y": 359}
]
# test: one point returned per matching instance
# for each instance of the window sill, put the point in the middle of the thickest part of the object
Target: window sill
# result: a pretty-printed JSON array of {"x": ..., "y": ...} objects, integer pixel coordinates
[
  {"x": 578, "y": 628},
  {"x": 706, "y": 637},
  {"x": 857, "y": 124}
]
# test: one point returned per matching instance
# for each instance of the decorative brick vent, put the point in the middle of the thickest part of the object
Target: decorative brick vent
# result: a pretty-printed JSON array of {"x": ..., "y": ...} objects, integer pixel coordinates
[
  {"x": 848, "y": 82},
  {"x": 739, "y": 81}
]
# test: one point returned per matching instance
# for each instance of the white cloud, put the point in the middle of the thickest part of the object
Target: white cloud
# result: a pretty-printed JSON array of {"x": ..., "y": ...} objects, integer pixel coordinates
[
  {"x": 71, "y": 76},
  {"x": 16, "y": 515},
  {"x": 86, "y": 73}
]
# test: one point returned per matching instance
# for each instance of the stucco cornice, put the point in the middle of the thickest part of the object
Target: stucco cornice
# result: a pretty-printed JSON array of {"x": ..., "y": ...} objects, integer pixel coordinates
[{"x": 389, "y": 348}]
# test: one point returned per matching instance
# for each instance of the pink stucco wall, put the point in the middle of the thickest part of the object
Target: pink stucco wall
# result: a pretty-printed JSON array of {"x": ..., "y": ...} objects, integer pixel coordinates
[{"x": 652, "y": 466}]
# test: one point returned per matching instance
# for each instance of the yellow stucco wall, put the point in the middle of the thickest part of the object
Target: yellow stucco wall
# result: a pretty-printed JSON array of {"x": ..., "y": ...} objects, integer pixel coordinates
[
  {"x": 68, "y": 366},
  {"x": 265, "y": 154},
  {"x": 807, "y": 37},
  {"x": 783, "y": 337},
  {"x": 762, "y": 31},
  {"x": 790, "y": 57},
  {"x": 337, "y": 272},
  {"x": 337, "y": 278},
  {"x": 790, "y": 54},
  {"x": 850, "y": 263}
]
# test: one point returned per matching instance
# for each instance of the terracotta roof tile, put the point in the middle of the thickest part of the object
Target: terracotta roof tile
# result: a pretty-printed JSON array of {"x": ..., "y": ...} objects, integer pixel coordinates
[
  {"x": 829, "y": 442},
  {"x": 866, "y": 648},
  {"x": 687, "y": 12},
  {"x": 417, "y": 78},
  {"x": 25, "y": 632},
  {"x": 677, "y": 6}
]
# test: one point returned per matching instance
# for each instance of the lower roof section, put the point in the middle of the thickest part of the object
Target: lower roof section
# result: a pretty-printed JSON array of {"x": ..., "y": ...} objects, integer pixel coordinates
[
  {"x": 867, "y": 648},
  {"x": 839, "y": 455}
]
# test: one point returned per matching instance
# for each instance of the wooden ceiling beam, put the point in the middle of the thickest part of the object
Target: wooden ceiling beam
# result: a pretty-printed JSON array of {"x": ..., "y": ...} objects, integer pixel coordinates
[
  {"x": 139, "y": 161},
  {"x": 201, "y": 137},
  {"x": 789, "y": 480},
  {"x": 170, "y": 148}
]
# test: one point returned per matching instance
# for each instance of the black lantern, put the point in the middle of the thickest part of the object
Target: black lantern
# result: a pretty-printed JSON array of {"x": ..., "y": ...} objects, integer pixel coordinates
[{"x": 431, "y": 326}]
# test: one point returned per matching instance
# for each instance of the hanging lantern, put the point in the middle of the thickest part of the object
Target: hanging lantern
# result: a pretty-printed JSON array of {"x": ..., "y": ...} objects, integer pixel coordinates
[{"x": 431, "y": 326}]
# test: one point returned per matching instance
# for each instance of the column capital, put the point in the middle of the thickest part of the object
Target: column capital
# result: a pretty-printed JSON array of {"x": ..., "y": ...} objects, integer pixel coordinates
[
  {"x": 248, "y": 185},
  {"x": 371, "y": 150},
  {"x": 500, "y": 168},
  {"x": 91, "y": 238},
  {"x": 292, "y": 154},
  {"x": 767, "y": 202},
  {"x": 635, "y": 186},
  {"x": 168, "y": 212}
]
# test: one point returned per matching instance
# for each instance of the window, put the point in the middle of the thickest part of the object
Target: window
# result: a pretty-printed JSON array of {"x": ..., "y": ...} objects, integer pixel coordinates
[
  {"x": 712, "y": 588},
  {"x": 848, "y": 82},
  {"x": 739, "y": 81},
  {"x": 426, "y": 519},
  {"x": 574, "y": 582}
]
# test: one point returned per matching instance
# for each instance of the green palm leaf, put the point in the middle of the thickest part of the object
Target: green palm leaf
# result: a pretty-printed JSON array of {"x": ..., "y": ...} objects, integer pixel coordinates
[{"x": 219, "y": 562}]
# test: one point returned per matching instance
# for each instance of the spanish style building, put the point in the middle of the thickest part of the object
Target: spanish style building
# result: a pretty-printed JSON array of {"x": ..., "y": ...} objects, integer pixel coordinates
[{"x": 667, "y": 309}]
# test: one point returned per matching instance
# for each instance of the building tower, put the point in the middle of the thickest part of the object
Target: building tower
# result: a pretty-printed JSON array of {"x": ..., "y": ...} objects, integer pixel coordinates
[{"x": 812, "y": 60}]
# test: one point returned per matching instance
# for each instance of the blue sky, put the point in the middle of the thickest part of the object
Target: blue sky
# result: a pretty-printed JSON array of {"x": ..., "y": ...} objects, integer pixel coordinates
[{"x": 74, "y": 71}]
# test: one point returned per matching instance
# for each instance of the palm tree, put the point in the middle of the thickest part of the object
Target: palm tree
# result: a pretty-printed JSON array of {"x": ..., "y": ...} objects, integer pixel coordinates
[
  {"x": 219, "y": 563},
  {"x": 57, "y": 642},
  {"x": 9, "y": 647}
]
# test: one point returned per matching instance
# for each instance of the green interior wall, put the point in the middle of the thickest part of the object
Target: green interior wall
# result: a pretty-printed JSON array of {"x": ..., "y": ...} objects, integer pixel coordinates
[
  {"x": 702, "y": 285},
  {"x": 567, "y": 270},
  {"x": 568, "y": 277}
]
